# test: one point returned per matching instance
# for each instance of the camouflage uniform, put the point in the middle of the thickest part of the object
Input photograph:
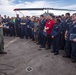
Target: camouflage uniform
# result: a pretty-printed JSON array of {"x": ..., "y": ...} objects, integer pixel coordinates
[{"x": 1, "y": 40}]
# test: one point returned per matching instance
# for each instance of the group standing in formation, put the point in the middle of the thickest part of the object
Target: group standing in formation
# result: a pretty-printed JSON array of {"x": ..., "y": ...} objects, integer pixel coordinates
[{"x": 56, "y": 32}]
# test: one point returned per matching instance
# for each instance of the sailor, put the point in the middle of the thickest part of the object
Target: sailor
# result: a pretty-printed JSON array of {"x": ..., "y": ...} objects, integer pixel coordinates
[
  {"x": 72, "y": 37},
  {"x": 5, "y": 25},
  {"x": 62, "y": 39},
  {"x": 28, "y": 27},
  {"x": 18, "y": 26},
  {"x": 56, "y": 31},
  {"x": 32, "y": 27},
  {"x": 67, "y": 23},
  {"x": 40, "y": 31},
  {"x": 47, "y": 29},
  {"x": 12, "y": 27},
  {"x": 23, "y": 23},
  {"x": 36, "y": 28},
  {"x": 1, "y": 38}
]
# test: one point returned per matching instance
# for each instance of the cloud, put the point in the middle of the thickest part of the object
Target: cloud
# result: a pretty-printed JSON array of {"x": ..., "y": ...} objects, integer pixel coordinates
[
  {"x": 20, "y": 1},
  {"x": 7, "y": 6}
]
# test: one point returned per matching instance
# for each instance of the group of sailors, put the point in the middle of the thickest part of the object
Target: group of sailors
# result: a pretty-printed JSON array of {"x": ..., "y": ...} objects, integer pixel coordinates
[{"x": 56, "y": 32}]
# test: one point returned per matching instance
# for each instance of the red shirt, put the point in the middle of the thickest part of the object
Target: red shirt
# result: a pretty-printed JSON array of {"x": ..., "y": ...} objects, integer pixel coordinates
[{"x": 49, "y": 24}]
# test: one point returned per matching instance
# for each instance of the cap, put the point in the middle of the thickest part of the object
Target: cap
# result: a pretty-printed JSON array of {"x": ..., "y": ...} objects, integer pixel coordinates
[{"x": 51, "y": 14}]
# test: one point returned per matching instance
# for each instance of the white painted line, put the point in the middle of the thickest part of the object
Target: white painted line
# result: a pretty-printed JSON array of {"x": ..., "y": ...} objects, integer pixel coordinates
[{"x": 12, "y": 41}]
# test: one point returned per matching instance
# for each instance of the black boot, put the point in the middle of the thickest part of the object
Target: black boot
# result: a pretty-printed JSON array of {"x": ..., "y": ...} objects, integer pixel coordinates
[
  {"x": 73, "y": 61},
  {"x": 3, "y": 52}
]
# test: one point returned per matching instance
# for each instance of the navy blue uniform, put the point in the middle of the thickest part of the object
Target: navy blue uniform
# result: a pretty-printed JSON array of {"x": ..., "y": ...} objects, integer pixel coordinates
[
  {"x": 11, "y": 28},
  {"x": 56, "y": 31},
  {"x": 68, "y": 43},
  {"x": 64, "y": 25},
  {"x": 24, "y": 28},
  {"x": 72, "y": 30},
  {"x": 29, "y": 28},
  {"x": 5, "y": 30},
  {"x": 18, "y": 27},
  {"x": 32, "y": 30},
  {"x": 40, "y": 32},
  {"x": 62, "y": 39}
]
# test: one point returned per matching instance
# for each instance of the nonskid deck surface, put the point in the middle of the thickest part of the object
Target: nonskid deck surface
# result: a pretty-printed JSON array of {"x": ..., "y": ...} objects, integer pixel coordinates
[{"x": 24, "y": 57}]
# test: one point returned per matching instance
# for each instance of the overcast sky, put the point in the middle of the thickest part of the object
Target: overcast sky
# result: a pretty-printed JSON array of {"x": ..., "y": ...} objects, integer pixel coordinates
[{"x": 7, "y": 6}]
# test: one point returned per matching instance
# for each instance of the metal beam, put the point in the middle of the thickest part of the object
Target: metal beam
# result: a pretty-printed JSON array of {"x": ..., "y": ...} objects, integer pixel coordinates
[{"x": 21, "y": 9}]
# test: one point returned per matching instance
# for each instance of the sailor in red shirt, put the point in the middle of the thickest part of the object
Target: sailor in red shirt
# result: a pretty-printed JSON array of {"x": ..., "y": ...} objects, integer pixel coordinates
[
  {"x": 48, "y": 28},
  {"x": 49, "y": 25}
]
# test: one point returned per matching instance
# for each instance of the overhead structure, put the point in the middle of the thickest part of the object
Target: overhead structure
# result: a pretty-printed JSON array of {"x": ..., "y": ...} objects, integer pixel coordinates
[
  {"x": 22, "y": 9},
  {"x": 41, "y": 9}
]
